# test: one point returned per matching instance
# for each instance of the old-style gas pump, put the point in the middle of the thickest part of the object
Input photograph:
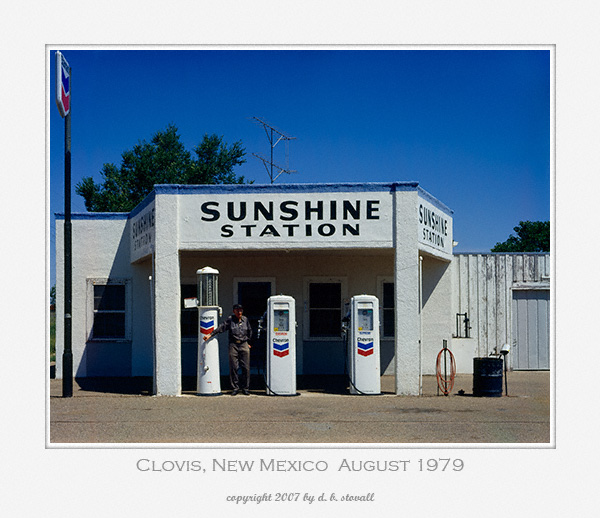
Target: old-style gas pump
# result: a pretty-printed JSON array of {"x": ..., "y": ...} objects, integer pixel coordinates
[
  {"x": 281, "y": 345},
  {"x": 209, "y": 376},
  {"x": 361, "y": 328}
]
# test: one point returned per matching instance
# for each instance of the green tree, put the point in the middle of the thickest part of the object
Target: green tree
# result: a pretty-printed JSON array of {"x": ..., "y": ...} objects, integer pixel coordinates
[
  {"x": 162, "y": 160},
  {"x": 532, "y": 236}
]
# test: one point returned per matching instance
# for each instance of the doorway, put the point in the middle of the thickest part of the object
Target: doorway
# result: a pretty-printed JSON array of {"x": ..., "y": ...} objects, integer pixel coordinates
[
  {"x": 253, "y": 294},
  {"x": 531, "y": 329}
]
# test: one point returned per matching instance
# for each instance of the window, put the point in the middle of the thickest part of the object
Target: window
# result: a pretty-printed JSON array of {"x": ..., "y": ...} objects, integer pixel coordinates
[
  {"x": 325, "y": 309},
  {"x": 389, "y": 320},
  {"x": 109, "y": 319},
  {"x": 189, "y": 316}
]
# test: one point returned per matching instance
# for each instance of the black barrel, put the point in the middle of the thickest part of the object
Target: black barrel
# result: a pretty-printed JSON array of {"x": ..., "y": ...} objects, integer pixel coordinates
[{"x": 487, "y": 377}]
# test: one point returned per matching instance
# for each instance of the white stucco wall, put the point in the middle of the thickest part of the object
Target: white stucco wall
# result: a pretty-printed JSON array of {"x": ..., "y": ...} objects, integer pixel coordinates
[
  {"x": 167, "y": 298},
  {"x": 406, "y": 274},
  {"x": 100, "y": 250},
  {"x": 436, "y": 317}
]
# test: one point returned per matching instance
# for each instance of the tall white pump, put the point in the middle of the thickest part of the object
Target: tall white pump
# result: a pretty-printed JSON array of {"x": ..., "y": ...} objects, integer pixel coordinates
[
  {"x": 363, "y": 345},
  {"x": 209, "y": 376},
  {"x": 281, "y": 345}
]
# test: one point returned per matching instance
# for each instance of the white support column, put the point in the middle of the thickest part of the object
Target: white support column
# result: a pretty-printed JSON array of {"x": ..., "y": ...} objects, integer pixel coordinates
[
  {"x": 167, "y": 298},
  {"x": 406, "y": 282}
]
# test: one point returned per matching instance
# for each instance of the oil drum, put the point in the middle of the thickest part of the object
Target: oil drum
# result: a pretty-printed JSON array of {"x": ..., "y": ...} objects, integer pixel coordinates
[{"x": 487, "y": 377}]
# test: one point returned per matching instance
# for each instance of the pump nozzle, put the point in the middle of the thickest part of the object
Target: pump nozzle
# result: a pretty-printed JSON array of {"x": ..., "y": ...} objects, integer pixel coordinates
[{"x": 261, "y": 323}]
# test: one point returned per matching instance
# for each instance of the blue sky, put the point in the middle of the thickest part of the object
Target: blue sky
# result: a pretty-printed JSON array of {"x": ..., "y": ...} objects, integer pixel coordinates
[{"x": 471, "y": 126}]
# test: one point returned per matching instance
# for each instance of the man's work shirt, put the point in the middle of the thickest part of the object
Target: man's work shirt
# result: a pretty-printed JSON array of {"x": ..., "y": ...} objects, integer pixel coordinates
[{"x": 239, "y": 330}]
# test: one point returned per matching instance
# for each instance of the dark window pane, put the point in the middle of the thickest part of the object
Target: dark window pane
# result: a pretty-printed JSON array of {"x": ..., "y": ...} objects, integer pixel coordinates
[
  {"x": 325, "y": 295},
  {"x": 325, "y": 322},
  {"x": 189, "y": 323},
  {"x": 189, "y": 316},
  {"x": 388, "y": 322},
  {"x": 388, "y": 295},
  {"x": 188, "y": 291},
  {"x": 110, "y": 297},
  {"x": 253, "y": 297},
  {"x": 109, "y": 325}
]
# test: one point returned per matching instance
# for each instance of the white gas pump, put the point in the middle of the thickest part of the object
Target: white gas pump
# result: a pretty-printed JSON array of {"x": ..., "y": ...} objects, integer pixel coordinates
[
  {"x": 363, "y": 345},
  {"x": 209, "y": 376},
  {"x": 281, "y": 345}
]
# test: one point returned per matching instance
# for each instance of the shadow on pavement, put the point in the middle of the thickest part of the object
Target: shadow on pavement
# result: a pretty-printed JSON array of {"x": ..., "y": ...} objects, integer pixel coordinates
[{"x": 142, "y": 385}]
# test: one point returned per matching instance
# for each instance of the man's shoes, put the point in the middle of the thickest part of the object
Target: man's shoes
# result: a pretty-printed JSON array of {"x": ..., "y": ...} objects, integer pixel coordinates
[
  {"x": 235, "y": 392},
  {"x": 246, "y": 392}
]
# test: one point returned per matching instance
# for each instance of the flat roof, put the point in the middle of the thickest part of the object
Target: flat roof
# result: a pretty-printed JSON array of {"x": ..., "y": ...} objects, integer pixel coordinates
[{"x": 180, "y": 189}]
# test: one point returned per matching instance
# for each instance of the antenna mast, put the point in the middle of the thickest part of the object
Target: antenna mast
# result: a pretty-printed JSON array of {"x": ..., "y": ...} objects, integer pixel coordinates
[{"x": 270, "y": 130}]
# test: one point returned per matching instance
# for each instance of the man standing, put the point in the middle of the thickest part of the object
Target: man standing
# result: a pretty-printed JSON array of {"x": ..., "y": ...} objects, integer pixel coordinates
[{"x": 240, "y": 332}]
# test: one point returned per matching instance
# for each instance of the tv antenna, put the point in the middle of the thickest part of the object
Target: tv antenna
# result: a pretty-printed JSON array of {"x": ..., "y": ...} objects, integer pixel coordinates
[{"x": 275, "y": 137}]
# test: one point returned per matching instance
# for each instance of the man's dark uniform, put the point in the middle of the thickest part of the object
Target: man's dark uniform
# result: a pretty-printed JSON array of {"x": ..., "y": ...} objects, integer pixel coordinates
[{"x": 240, "y": 332}]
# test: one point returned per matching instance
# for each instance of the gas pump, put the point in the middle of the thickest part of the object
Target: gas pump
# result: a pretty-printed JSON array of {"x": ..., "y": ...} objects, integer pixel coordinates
[
  {"x": 281, "y": 345},
  {"x": 209, "y": 376},
  {"x": 362, "y": 333}
]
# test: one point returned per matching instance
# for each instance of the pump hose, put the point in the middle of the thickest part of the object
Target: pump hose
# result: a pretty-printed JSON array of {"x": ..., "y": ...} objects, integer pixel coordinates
[
  {"x": 264, "y": 372},
  {"x": 444, "y": 382},
  {"x": 346, "y": 369},
  {"x": 264, "y": 375}
]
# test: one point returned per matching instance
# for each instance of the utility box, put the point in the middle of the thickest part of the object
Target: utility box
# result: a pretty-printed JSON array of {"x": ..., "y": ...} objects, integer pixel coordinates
[
  {"x": 363, "y": 345},
  {"x": 281, "y": 345}
]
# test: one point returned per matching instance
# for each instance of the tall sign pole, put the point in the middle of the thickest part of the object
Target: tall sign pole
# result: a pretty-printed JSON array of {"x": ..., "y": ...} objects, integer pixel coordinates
[{"x": 63, "y": 101}]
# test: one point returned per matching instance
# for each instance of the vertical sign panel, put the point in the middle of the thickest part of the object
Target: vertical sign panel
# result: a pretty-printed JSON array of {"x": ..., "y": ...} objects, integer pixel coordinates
[{"x": 63, "y": 85}]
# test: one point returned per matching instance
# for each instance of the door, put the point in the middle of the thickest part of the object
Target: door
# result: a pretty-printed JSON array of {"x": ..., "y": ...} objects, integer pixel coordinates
[
  {"x": 253, "y": 296},
  {"x": 531, "y": 329}
]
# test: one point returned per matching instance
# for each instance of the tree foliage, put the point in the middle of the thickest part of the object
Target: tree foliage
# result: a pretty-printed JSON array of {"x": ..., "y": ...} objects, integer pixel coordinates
[
  {"x": 163, "y": 160},
  {"x": 532, "y": 236}
]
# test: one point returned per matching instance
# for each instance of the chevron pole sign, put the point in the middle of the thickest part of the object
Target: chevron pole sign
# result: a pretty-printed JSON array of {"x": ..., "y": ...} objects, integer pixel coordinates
[{"x": 63, "y": 85}]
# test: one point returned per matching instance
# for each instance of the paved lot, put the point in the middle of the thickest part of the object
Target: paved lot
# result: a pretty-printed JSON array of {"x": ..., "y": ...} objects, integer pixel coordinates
[{"x": 110, "y": 411}]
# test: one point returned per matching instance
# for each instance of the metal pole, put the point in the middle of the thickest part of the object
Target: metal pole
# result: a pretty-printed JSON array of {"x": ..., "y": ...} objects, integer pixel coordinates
[
  {"x": 68, "y": 351},
  {"x": 505, "y": 376},
  {"x": 445, "y": 368},
  {"x": 420, "y": 325},
  {"x": 271, "y": 155}
]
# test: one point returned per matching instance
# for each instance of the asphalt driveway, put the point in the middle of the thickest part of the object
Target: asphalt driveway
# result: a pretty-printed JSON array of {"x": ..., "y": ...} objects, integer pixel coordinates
[{"x": 108, "y": 411}]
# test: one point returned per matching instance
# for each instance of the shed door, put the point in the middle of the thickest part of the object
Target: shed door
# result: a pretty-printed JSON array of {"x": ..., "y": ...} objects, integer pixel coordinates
[{"x": 531, "y": 329}]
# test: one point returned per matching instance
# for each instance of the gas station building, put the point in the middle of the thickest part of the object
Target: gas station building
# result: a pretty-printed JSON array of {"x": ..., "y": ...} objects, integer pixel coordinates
[{"x": 318, "y": 243}]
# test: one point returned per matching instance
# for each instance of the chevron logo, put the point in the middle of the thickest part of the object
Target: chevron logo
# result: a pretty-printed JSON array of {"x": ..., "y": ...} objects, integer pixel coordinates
[
  {"x": 65, "y": 91},
  {"x": 207, "y": 327},
  {"x": 365, "y": 348},
  {"x": 281, "y": 350}
]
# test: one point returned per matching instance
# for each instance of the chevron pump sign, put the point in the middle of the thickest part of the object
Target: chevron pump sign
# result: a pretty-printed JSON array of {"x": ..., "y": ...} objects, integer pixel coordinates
[
  {"x": 207, "y": 326},
  {"x": 63, "y": 85},
  {"x": 364, "y": 347},
  {"x": 281, "y": 348}
]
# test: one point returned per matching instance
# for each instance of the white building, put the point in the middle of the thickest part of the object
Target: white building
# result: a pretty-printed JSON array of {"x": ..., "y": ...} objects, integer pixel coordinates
[{"x": 319, "y": 243}]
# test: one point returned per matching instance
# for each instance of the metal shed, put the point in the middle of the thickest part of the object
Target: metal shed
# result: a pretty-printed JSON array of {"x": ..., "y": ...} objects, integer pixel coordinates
[{"x": 505, "y": 299}]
